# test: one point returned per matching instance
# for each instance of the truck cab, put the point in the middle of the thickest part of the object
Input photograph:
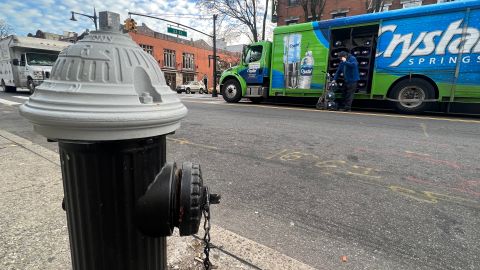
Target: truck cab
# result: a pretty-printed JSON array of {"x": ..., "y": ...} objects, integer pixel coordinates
[
  {"x": 27, "y": 61},
  {"x": 33, "y": 68},
  {"x": 250, "y": 78}
]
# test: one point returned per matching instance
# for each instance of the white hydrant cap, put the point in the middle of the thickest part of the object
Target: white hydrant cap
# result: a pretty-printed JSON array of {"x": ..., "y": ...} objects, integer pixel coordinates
[{"x": 105, "y": 87}]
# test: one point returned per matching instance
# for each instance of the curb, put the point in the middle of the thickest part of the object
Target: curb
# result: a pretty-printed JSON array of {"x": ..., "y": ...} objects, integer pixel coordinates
[{"x": 229, "y": 251}]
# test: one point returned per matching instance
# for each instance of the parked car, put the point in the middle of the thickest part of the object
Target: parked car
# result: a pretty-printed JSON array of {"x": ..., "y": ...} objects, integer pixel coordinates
[{"x": 191, "y": 87}]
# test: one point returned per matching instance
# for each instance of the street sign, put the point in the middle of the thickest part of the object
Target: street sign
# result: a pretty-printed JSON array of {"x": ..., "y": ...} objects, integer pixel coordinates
[
  {"x": 175, "y": 31},
  {"x": 274, "y": 11}
]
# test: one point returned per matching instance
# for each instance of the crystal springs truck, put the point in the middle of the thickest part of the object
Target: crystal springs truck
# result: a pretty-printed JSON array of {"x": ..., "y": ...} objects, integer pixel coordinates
[
  {"x": 413, "y": 57},
  {"x": 27, "y": 61}
]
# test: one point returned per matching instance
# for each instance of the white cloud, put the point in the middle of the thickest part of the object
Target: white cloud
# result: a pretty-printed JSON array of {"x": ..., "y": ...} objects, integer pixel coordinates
[{"x": 28, "y": 16}]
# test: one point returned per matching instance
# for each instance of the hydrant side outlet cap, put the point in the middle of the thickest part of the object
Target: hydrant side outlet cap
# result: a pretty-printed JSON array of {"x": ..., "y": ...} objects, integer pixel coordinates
[{"x": 104, "y": 87}]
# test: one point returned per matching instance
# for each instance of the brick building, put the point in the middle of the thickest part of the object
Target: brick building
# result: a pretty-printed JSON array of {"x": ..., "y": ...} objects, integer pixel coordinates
[
  {"x": 182, "y": 60},
  {"x": 291, "y": 11}
]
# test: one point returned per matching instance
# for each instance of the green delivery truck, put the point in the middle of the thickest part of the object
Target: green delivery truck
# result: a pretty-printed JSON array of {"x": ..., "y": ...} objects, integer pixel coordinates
[{"x": 413, "y": 57}]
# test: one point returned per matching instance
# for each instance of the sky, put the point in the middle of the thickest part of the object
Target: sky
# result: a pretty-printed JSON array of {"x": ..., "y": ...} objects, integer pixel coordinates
[{"x": 28, "y": 16}]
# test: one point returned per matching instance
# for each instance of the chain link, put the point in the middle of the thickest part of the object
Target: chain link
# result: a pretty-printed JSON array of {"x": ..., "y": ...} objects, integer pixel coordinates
[{"x": 206, "y": 226}]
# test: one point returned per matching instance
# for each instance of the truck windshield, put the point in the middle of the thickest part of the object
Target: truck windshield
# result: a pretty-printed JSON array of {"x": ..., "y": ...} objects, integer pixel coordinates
[{"x": 41, "y": 59}]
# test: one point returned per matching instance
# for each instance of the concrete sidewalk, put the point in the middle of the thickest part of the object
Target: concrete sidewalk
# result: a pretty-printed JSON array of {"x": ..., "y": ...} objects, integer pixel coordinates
[{"x": 33, "y": 229}]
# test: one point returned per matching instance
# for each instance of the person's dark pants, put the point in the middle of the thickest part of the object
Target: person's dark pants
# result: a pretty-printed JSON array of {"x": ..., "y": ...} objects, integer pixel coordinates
[{"x": 348, "y": 92}]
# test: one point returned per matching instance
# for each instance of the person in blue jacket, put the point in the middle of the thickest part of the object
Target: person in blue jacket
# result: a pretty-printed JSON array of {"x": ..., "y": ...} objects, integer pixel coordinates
[{"x": 349, "y": 67}]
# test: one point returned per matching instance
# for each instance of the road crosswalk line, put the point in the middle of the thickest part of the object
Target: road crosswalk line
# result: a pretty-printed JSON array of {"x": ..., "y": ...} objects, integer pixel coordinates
[
  {"x": 8, "y": 102},
  {"x": 21, "y": 97}
]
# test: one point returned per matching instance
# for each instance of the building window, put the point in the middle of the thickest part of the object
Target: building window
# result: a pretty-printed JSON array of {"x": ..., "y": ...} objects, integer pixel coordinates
[
  {"x": 339, "y": 15},
  {"x": 147, "y": 48},
  {"x": 292, "y": 3},
  {"x": 188, "y": 61},
  {"x": 169, "y": 58},
  {"x": 444, "y": 1},
  {"x": 188, "y": 78},
  {"x": 411, "y": 3}
]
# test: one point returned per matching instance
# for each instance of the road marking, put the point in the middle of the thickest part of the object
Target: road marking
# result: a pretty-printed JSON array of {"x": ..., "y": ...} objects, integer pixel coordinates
[
  {"x": 418, "y": 154},
  {"x": 277, "y": 154},
  {"x": 8, "y": 102},
  {"x": 424, "y": 127},
  {"x": 370, "y": 176},
  {"x": 431, "y": 160},
  {"x": 337, "y": 112},
  {"x": 185, "y": 141},
  {"x": 21, "y": 97},
  {"x": 432, "y": 197}
]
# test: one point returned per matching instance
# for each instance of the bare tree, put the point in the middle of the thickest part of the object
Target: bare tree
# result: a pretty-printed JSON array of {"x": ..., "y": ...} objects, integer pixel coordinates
[
  {"x": 374, "y": 5},
  {"x": 235, "y": 13},
  {"x": 5, "y": 29},
  {"x": 314, "y": 8}
]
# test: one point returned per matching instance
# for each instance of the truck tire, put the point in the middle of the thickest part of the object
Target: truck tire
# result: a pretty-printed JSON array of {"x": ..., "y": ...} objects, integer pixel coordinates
[
  {"x": 200, "y": 91},
  {"x": 232, "y": 92},
  {"x": 414, "y": 88},
  {"x": 187, "y": 91},
  {"x": 11, "y": 89},
  {"x": 31, "y": 86}
]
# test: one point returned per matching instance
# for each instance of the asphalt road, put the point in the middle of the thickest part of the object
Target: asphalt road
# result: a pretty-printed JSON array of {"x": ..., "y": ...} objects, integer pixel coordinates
[{"x": 387, "y": 191}]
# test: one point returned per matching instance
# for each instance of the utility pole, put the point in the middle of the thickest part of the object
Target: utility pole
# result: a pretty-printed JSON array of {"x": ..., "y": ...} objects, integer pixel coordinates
[
  {"x": 214, "y": 92},
  {"x": 265, "y": 19}
]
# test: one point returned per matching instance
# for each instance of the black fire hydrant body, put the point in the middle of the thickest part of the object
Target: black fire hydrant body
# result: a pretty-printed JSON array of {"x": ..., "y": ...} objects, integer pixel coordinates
[{"x": 102, "y": 182}]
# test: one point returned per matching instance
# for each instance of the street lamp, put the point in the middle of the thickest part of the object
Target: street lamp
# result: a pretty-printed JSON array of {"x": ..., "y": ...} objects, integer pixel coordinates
[{"x": 94, "y": 17}]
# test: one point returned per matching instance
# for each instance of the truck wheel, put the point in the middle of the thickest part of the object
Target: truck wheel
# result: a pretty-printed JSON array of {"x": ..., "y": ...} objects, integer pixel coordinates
[
  {"x": 232, "y": 92},
  {"x": 414, "y": 89},
  {"x": 187, "y": 91},
  {"x": 8, "y": 89},
  {"x": 200, "y": 91},
  {"x": 256, "y": 100},
  {"x": 31, "y": 86}
]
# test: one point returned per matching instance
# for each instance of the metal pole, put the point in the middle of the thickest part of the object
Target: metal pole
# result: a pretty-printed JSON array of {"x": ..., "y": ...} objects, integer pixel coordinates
[
  {"x": 265, "y": 19},
  {"x": 95, "y": 19},
  {"x": 214, "y": 92}
]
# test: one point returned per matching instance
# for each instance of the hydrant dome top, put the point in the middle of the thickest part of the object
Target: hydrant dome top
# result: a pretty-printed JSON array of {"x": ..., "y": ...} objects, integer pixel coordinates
[{"x": 105, "y": 87}]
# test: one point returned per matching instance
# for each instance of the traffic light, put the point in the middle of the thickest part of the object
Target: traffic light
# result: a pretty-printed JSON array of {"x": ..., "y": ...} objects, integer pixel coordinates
[{"x": 130, "y": 25}]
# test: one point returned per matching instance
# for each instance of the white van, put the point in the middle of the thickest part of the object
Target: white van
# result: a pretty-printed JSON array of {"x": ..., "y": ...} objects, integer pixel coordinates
[{"x": 27, "y": 61}]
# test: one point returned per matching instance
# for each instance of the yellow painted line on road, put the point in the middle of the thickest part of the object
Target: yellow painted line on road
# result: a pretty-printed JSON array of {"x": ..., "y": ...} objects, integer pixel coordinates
[
  {"x": 354, "y": 113},
  {"x": 185, "y": 141}
]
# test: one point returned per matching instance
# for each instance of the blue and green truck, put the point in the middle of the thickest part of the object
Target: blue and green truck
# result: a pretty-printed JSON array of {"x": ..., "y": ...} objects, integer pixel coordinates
[{"x": 414, "y": 57}]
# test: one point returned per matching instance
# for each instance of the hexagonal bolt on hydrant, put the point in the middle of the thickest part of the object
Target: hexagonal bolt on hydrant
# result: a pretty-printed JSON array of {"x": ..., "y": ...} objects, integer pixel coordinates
[{"x": 109, "y": 108}]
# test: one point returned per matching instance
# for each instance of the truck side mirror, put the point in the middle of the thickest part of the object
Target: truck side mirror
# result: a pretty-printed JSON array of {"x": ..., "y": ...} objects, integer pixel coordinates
[{"x": 15, "y": 62}]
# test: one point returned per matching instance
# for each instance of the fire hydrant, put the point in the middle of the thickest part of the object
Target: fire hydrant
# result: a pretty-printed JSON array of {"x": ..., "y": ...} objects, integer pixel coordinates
[{"x": 109, "y": 108}]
